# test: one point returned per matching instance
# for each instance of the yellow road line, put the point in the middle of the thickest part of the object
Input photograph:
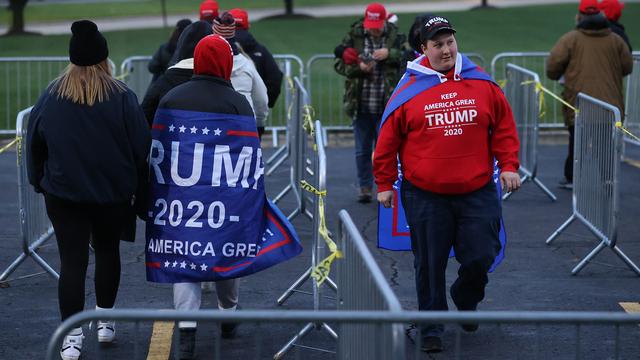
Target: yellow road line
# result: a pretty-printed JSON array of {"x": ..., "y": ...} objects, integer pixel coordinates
[
  {"x": 632, "y": 162},
  {"x": 631, "y": 307},
  {"x": 160, "y": 344}
]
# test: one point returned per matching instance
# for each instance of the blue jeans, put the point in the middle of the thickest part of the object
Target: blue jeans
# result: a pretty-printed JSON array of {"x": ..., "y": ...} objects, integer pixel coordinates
[
  {"x": 468, "y": 222},
  {"x": 365, "y": 132}
]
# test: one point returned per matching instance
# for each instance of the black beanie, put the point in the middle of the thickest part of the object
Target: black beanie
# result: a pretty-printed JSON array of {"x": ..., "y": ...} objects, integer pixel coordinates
[{"x": 87, "y": 45}]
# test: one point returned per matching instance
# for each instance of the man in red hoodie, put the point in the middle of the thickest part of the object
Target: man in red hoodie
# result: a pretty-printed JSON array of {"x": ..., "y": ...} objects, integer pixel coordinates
[{"x": 445, "y": 123}]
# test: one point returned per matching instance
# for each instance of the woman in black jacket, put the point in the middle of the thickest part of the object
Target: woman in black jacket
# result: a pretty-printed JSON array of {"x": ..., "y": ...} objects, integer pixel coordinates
[
  {"x": 162, "y": 57},
  {"x": 87, "y": 147},
  {"x": 181, "y": 68}
]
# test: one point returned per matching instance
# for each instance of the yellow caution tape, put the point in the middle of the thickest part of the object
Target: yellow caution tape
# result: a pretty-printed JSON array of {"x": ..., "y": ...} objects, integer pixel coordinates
[
  {"x": 502, "y": 83},
  {"x": 539, "y": 88},
  {"x": 6, "y": 147},
  {"x": 619, "y": 126},
  {"x": 321, "y": 271},
  {"x": 121, "y": 77},
  {"x": 291, "y": 90}
]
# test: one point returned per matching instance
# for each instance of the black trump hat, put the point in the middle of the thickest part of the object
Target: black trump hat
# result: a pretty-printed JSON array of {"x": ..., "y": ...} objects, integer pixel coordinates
[
  {"x": 87, "y": 45},
  {"x": 433, "y": 25}
]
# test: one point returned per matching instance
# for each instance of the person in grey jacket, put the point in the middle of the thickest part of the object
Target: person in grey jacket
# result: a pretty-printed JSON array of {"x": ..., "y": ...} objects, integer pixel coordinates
[{"x": 87, "y": 147}]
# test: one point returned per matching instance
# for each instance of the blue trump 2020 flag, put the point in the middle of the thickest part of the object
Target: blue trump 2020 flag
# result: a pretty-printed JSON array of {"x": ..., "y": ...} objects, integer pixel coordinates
[
  {"x": 209, "y": 218},
  {"x": 393, "y": 230}
]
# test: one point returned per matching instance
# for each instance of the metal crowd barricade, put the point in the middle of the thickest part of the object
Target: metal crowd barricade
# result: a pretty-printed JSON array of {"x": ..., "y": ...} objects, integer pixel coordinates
[
  {"x": 317, "y": 249},
  {"x": 297, "y": 150},
  {"x": 596, "y": 175},
  {"x": 536, "y": 62},
  {"x": 525, "y": 103},
  {"x": 280, "y": 115},
  {"x": 134, "y": 72},
  {"x": 22, "y": 80},
  {"x": 540, "y": 331},
  {"x": 35, "y": 227},
  {"x": 632, "y": 121},
  {"x": 363, "y": 287}
]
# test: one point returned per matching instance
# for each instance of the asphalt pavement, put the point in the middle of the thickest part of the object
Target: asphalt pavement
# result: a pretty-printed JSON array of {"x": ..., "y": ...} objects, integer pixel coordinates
[{"x": 533, "y": 276}]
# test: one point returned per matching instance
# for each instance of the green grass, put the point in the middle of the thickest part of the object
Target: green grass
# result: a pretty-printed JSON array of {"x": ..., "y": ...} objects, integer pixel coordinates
[
  {"x": 55, "y": 12},
  {"x": 486, "y": 32}
]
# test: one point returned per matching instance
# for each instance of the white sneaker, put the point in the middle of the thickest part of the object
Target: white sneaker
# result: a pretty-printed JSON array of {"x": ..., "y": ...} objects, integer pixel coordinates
[
  {"x": 71, "y": 347},
  {"x": 106, "y": 331}
]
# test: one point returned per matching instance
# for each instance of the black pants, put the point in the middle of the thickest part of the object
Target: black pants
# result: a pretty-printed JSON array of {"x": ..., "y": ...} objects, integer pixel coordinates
[
  {"x": 469, "y": 223},
  {"x": 568, "y": 163},
  {"x": 74, "y": 225}
]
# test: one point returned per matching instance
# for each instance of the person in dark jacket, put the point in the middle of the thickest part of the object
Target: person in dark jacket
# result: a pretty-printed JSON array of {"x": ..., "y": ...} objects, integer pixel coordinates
[
  {"x": 213, "y": 64},
  {"x": 181, "y": 68},
  {"x": 612, "y": 9},
  {"x": 262, "y": 58},
  {"x": 87, "y": 147},
  {"x": 592, "y": 60},
  {"x": 160, "y": 60}
]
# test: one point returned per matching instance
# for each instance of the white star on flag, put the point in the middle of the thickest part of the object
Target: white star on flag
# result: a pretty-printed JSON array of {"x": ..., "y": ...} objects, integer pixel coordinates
[
  {"x": 171, "y": 128},
  {"x": 174, "y": 263},
  {"x": 182, "y": 128},
  {"x": 193, "y": 266},
  {"x": 217, "y": 132},
  {"x": 183, "y": 265},
  {"x": 203, "y": 267},
  {"x": 166, "y": 264},
  {"x": 194, "y": 130},
  {"x": 205, "y": 131}
]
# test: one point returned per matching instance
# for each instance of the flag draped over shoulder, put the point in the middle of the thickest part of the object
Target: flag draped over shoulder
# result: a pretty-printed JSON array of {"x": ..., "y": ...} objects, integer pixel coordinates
[
  {"x": 393, "y": 230},
  {"x": 209, "y": 218}
]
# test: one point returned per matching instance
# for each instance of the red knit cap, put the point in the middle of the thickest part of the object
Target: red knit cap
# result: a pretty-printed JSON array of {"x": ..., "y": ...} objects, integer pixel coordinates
[
  {"x": 241, "y": 17},
  {"x": 612, "y": 9},
  {"x": 213, "y": 56},
  {"x": 209, "y": 10}
]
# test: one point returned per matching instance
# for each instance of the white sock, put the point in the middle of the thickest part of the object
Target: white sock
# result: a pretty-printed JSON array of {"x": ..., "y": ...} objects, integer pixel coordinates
[{"x": 98, "y": 308}]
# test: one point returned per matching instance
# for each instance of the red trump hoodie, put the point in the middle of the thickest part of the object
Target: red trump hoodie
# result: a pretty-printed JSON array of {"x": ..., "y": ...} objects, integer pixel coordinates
[{"x": 447, "y": 136}]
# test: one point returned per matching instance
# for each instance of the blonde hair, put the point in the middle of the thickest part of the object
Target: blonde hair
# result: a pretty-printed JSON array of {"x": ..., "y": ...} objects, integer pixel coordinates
[{"x": 87, "y": 85}]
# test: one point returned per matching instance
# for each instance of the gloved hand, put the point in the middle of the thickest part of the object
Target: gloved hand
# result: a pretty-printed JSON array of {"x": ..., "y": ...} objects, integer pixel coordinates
[{"x": 350, "y": 56}]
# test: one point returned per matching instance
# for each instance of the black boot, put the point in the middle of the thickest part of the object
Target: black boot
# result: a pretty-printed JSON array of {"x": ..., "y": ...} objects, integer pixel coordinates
[{"x": 187, "y": 350}]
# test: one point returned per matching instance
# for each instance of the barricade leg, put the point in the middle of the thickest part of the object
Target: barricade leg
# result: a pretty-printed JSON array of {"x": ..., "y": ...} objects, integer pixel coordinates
[
  {"x": 294, "y": 287},
  {"x": 545, "y": 189},
  {"x": 561, "y": 228},
  {"x": 31, "y": 251},
  {"x": 285, "y": 349},
  {"x": 301, "y": 280},
  {"x": 626, "y": 259},
  {"x": 305, "y": 330},
  {"x": 588, "y": 258}
]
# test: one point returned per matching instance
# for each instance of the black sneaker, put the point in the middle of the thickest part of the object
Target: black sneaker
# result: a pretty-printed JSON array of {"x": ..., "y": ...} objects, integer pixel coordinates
[
  {"x": 228, "y": 330},
  {"x": 565, "y": 184},
  {"x": 431, "y": 344},
  {"x": 187, "y": 349}
]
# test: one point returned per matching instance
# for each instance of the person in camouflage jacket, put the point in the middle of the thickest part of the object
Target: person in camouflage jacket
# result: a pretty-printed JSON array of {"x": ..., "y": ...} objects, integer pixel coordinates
[{"x": 370, "y": 57}]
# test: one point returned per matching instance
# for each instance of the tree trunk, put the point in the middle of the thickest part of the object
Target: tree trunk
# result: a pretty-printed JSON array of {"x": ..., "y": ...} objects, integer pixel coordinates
[
  {"x": 484, "y": 3},
  {"x": 17, "y": 16},
  {"x": 288, "y": 5}
]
